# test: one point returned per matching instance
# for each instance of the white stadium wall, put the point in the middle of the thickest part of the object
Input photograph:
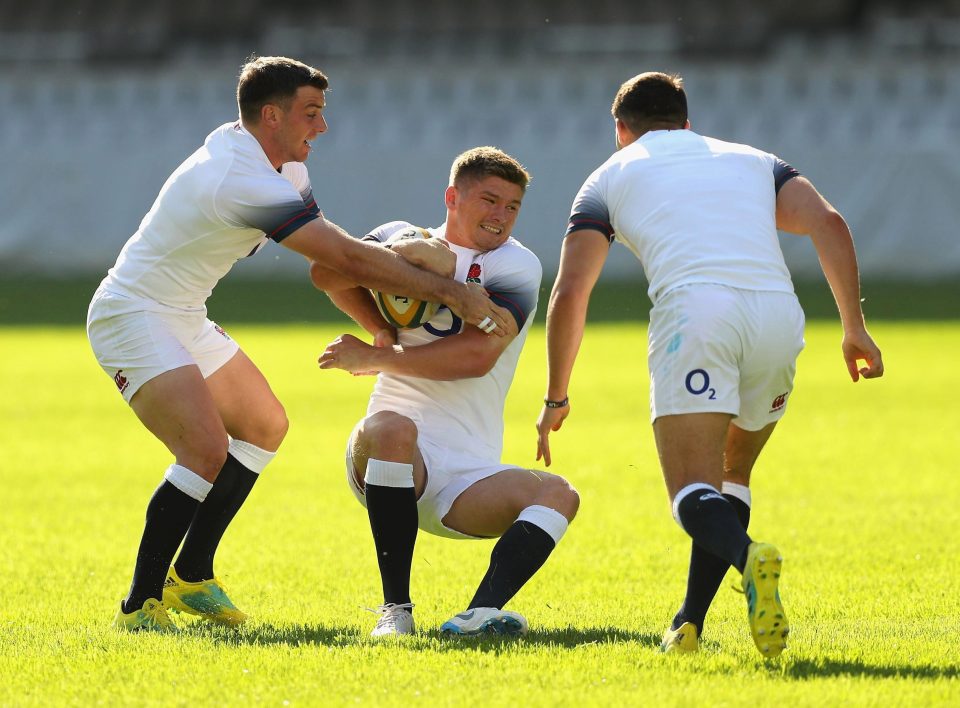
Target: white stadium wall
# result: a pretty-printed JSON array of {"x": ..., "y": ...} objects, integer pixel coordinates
[{"x": 85, "y": 151}]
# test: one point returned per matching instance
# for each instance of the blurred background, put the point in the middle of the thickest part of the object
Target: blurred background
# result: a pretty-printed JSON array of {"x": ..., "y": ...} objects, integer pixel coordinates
[{"x": 102, "y": 99}]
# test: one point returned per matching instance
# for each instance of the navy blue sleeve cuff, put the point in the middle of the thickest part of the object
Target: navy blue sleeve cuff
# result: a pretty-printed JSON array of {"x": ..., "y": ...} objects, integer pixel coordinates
[
  {"x": 512, "y": 303},
  {"x": 302, "y": 218},
  {"x": 783, "y": 173},
  {"x": 581, "y": 224}
]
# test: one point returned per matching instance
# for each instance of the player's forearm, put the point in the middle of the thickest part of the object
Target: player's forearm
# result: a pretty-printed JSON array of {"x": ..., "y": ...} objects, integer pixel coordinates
[
  {"x": 566, "y": 318},
  {"x": 358, "y": 304},
  {"x": 381, "y": 269},
  {"x": 447, "y": 359},
  {"x": 373, "y": 266},
  {"x": 838, "y": 259}
]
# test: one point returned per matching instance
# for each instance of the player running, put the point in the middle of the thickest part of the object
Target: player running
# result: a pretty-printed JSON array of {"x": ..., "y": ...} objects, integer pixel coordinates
[{"x": 725, "y": 329}]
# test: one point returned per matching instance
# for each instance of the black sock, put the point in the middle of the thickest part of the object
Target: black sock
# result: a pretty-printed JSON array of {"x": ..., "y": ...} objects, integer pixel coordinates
[
  {"x": 393, "y": 520},
  {"x": 713, "y": 525},
  {"x": 233, "y": 484},
  {"x": 705, "y": 576},
  {"x": 517, "y": 556},
  {"x": 168, "y": 516}
]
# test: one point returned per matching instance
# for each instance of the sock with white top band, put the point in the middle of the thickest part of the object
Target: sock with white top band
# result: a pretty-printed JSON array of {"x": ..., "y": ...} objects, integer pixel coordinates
[
  {"x": 249, "y": 455},
  {"x": 519, "y": 553},
  {"x": 188, "y": 482},
  {"x": 707, "y": 571},
  {"x": 712, "y": 523},
  {"x": 384, "y": 473},
  {"x": 392, "y": 511},
  {"x": 551, "y": 521},
  {"x": 168, "y": 516},
  {"x": 231, "y": 489},
  {"x": 737, "y": 491}
]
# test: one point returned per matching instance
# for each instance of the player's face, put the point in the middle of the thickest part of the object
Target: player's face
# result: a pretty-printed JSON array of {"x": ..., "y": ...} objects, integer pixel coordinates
[
  {"x": 482, "y": 213},
  {"x": 301, "y": 121}
]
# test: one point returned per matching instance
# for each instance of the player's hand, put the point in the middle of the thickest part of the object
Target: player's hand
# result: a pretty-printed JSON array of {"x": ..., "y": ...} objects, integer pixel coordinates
[
  {"x": 477, "y": 309},
  {"x": 431, "y": 254},
  {"x": 383, "y": 339},
  {"x": 550, "y": 419},
  {"x": 350, "y": 354},
  {"x": 858, "y": 346}
]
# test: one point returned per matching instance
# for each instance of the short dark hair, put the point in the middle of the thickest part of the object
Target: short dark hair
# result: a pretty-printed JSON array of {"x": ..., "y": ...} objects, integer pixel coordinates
[
  {"x": 480, "y": 162},
  {"x": 650, "y": 101},
  {"x": 266, "y": 80}
]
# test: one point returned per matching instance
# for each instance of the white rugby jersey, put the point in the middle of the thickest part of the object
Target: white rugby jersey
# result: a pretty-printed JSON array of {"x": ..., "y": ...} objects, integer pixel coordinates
[
  {"x": 466, "y": 414},
  {"x": 220, "y": 205},
  {"x": 693, "y": 209}
]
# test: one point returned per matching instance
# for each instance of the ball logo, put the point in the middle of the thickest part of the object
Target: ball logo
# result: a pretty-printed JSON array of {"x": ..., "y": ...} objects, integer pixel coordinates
[
  {"x": 121, "y": 381},
  {"x": 473, "y": 275},
  {"x": 778, "y": 402}
]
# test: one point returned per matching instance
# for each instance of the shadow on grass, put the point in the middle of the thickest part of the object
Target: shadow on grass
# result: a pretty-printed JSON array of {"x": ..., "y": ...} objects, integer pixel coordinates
[
  {"x": 568, "y": 638},
  {"x": 265, "y": 634},
  {"x": 803, "y": 669},
  {"x": 344, "y": 636},
  {"x": 793, "y": 669}
]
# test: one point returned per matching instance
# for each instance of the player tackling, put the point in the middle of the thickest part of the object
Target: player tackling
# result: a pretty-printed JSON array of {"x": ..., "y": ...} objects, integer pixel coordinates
[
  {"x": 187, "y": 381},
  {"x": 427, "y": 454},
  {"x": 702, "y": 216}
]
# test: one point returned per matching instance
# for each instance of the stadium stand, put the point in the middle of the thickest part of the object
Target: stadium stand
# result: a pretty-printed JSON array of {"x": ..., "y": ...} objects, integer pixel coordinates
[{"x": 862, "y": 96}]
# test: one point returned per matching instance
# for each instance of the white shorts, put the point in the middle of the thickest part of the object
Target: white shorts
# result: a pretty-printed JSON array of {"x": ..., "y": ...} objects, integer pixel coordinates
[
  {"x": 716, "y": 349},
  {"x": 449, "y": 474},
  {"x": 136, "y": 340}
]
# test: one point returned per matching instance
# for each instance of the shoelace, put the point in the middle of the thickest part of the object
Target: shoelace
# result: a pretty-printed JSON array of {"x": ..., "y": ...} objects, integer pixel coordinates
[
  {"x": 389, "y": 612},
  {"x": 157, "y": 613}
]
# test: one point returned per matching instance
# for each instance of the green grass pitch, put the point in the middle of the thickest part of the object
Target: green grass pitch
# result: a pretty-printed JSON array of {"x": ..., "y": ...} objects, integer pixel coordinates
[{"x": 858, "y": 488}]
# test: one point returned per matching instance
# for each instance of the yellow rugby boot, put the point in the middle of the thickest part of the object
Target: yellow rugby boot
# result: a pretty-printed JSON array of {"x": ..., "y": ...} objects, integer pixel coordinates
[
  {"x": 682, "y": 640},
  {"x": 152, "y": 617},
  {"x": 768, "y": 621},
  {"x": 206, "y": 598}
]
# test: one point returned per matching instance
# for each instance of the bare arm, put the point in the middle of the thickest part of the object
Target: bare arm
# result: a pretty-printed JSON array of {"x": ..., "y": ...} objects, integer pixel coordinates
[
  {"x": 433, "y": 255},
  {"x": 581, "y": 261},
  {"x": 469, "y": 354},
  {"x": 802, "y": 210},
  {"x": 354, "y": 301},
  {"x": 378, "y": 268}
]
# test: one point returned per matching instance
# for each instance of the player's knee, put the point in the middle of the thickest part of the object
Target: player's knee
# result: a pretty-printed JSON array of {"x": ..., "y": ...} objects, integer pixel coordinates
[
  {"x": 389, "y": 436},
  {"x": 278, "y": 425},
  {"x": 559, "y": 494},
  {"x": 268, "y": 430},
  {"x": 205, "y": 457}
]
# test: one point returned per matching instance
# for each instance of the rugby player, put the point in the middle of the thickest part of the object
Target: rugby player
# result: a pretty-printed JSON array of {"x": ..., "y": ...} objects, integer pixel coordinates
[
  {"x": 702, "y": 216},
  {"x": 185, "y": 378},
  {"x": 427, "y": 454}
]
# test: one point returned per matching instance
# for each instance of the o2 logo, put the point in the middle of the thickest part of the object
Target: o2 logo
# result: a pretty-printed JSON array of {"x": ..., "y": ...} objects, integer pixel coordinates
[
  {"x": 698, "y": 383},
  {"x": 456, "y": 324}
]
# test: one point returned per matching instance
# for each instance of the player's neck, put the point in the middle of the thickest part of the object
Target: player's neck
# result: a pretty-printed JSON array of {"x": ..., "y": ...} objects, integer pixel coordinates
[{"x": 266, "y": 144}]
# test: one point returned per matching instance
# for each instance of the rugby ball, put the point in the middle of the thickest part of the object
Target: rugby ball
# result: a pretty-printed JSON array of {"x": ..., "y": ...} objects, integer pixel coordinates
[{"x": 400, "y": 311}]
